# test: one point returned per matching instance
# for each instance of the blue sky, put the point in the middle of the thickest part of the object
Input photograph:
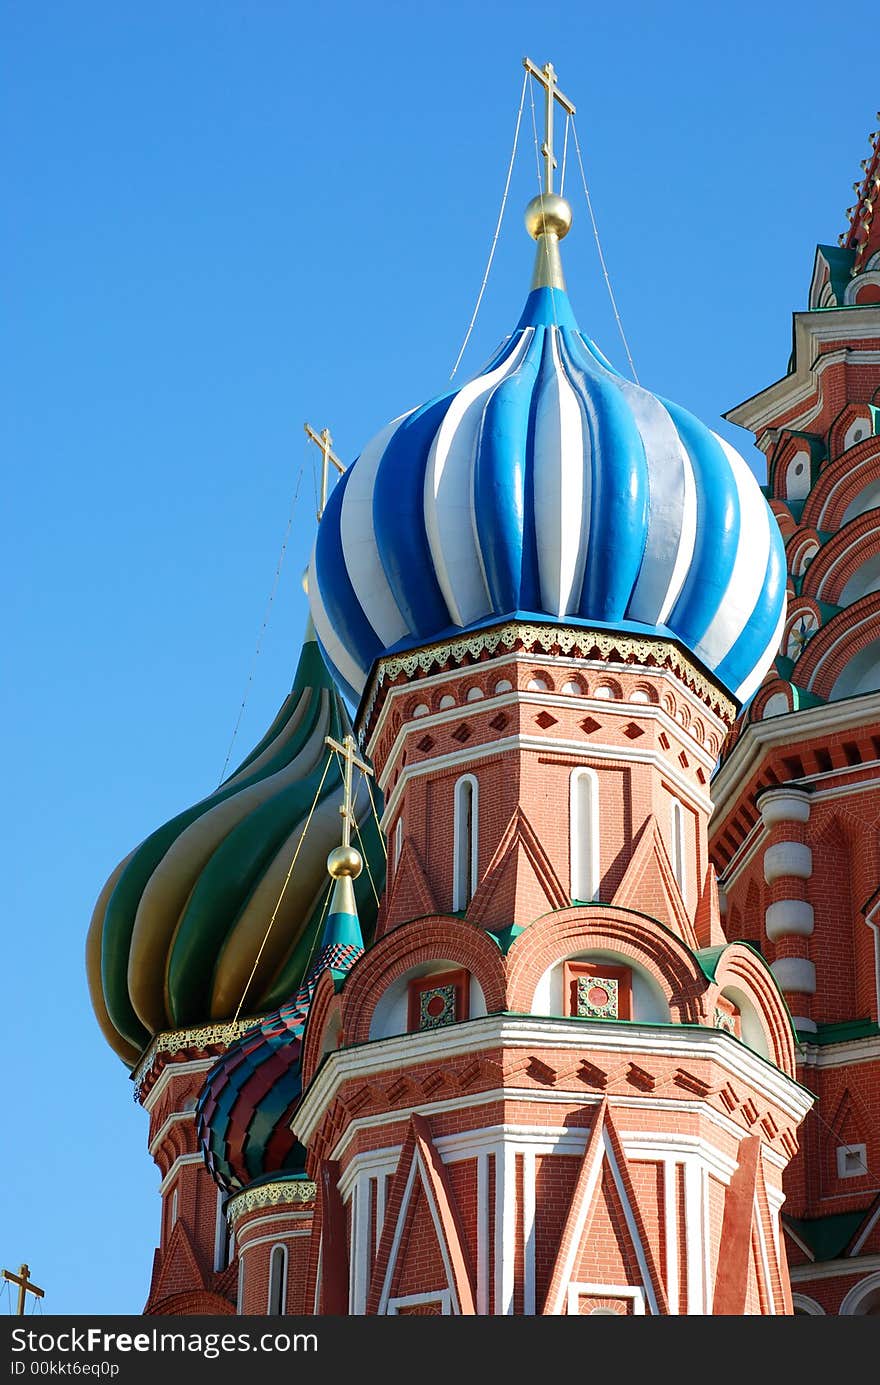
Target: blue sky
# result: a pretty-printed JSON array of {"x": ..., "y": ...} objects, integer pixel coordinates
[{"x": 224, "y": 219}]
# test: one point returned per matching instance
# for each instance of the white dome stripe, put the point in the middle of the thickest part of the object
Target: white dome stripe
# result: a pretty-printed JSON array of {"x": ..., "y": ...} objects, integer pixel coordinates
[
  {"x": 755, "y": 678},
  {"x": 337, "y": 653},
  {"x": 362, "y": 560},
  {"x": 562, "y": 518},
  {"x": 738, "y": 602},
  {"x": 672, "y": 500},
  {"x": 448, "y": 494}
]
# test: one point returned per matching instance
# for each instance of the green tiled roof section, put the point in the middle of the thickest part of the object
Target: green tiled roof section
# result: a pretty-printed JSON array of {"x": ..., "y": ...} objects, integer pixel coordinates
[
  {"x": 708, "y": 960},
  {"x": 506, "y": 937},
  {"x": 802, "y": 697},
  {"x": 828, "y": 610},
  {"x": 840, "y": 263},
  {"x": 841, "y": 1033},
  {"x": 826, "y": 1237}
]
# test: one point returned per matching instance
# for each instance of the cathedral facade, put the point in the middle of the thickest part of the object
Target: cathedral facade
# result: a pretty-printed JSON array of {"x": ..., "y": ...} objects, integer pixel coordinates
[{"x": 585, "y": 1018}]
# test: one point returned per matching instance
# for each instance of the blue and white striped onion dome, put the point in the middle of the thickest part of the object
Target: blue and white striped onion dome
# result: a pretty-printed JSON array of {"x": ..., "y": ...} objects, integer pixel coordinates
[{"x": 549, "y": 488}]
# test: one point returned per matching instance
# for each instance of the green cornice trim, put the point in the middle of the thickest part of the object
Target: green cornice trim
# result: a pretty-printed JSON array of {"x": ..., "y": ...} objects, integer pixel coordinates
[
  {"x": 843, "y": 1032},
  {"x": 708, "y": 958},
  {"x": 826, "y": 1237}
]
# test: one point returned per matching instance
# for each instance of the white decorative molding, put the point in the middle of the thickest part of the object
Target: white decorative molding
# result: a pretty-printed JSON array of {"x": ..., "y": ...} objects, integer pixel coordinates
[
  {"x": 834, "y": 1269},
  {"x": 178, "y": 1164},
  {"x": 805, "y": 724},
  {"x": 810, "y": 331},
  {"x": 505, "y": 695},
  {"x": 852, "y": 1302},
  {"x": 852, "y": 1161},
  {"x": 441, "y": 1296},
  {"x": 795, "y": 974},
  {"x": 804, "y": 1025},
  {"x": 789, "y": 917},
  {"x": 377, "y": 1057},
  {"x": 642, "y": 650},
  {"x": 784, "y": 859},
  {"x": 840, "y": 1055},
  {"x": 280, "y": 1194},
  {"x": 470, "y": 756},
  {"x": 179, "y": 1040},
  {"x": 167, "y": 1075},
  {"x": 784, "y": 805},
  {"x": 623, "y": 1291}
]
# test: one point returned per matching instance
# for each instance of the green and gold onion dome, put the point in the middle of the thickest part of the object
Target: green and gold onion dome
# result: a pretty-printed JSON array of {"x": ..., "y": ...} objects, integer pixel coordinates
[{"x": 180, "y": 935}]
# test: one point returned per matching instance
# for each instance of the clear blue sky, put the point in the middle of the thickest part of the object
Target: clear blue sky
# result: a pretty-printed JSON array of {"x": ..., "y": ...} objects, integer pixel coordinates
[{"x": 223, "y": 219}]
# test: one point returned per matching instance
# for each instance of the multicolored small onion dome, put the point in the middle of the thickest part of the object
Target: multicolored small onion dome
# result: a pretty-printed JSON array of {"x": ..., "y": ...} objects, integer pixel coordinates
[
  {"x": 182, "y": 920},
  {"x": 549, "y": 488},
  {"x": 244, "y": 1110}
]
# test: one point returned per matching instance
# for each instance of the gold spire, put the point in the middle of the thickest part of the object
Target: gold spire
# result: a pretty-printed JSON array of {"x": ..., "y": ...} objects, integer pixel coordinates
[
  {"x": 345, "y": 860},
  {"x": 548, "y": 216},
  {"x": 325, "y": 442}
]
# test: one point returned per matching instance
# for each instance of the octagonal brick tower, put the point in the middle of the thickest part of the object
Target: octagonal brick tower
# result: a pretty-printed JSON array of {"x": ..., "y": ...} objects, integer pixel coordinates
[{"x": 550, "y": 1085}]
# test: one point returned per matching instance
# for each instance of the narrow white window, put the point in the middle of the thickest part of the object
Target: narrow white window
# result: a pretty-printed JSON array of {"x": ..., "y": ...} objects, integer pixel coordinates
[
  {"x": 277, "y": 1281},
  {"x": 239, "y": 1307},
  {"x": 173, "y": 1209},
  {"x": 584, "y": 833},
  {"x": 221, "y": 1234},
  {"x": 678, "y": 848},
  {"x": 465, "y": 841},
  {"x": 398, "y": 842}
]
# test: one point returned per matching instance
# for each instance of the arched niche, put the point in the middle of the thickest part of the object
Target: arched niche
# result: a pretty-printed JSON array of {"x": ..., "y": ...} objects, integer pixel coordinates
[
  {"x": 648, "y": 1003},
  {"x": 391, "y": 1013}
]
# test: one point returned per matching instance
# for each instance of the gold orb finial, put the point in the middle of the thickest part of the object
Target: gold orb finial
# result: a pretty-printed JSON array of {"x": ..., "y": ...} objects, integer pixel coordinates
[
  {"x": 344, "y": 860},
  {"x": 548, "y": 214}
]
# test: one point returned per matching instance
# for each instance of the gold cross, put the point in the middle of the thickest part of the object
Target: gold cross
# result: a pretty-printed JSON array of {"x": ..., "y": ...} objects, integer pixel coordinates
[
  {"x": 25, "y": 1286},
  {"x": 347, "y": 750},
  {"x": 325, "y": 442},
  {"x": 547, "y": 77}
]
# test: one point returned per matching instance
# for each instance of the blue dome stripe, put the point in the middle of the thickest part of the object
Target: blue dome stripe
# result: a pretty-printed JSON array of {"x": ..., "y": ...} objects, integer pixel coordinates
[
  {"x": 747, "y": 649},
  {"x": 534, "y": 475},
  {"x": 448, "y": 499},
  {"x": 365, "y": 569},
  {"x": 619, "y": 489},
  {"x": 343, "y": 609},
  {"x": 547, "y": 308},
  {"x": 342, "y": 683},
  {"x": 399, "y": 520},
  {"x": 347, "y": 672},
  {"x": 551, "y": 485},
  {"x": 594, "y": 351},
  {"x": 718, "y": 529},
  {"x": 500, "y": 479}
]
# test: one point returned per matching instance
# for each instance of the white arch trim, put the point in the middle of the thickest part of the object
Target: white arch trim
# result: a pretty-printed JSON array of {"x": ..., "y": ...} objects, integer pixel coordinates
[{"x": 277, "y": 1279}]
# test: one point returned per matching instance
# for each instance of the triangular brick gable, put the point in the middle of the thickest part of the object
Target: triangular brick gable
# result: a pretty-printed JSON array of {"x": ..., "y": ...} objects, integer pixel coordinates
[
  {"x": 421, "y": 1216},
  {"x": 707, "y": 920},
  {"x": 866, "y": 1240},
  {"x": 649, "y": 885},
  {"x": 520, "y": 883},
  {"x": 180, "y": 1270},
  {"x": 410, "y": 895},
  {"x": 749, "y": 1277},
  {"x": 327, "y": 1272},
  {"x": 604, "y": 1198}
]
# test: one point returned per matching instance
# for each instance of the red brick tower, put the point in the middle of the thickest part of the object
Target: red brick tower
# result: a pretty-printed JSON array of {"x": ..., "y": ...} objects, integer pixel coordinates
[
  {"x": 537, "y": 1105},
  {"x": 797, "y": 799},
  {"x": 550, "y": 1086}
]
